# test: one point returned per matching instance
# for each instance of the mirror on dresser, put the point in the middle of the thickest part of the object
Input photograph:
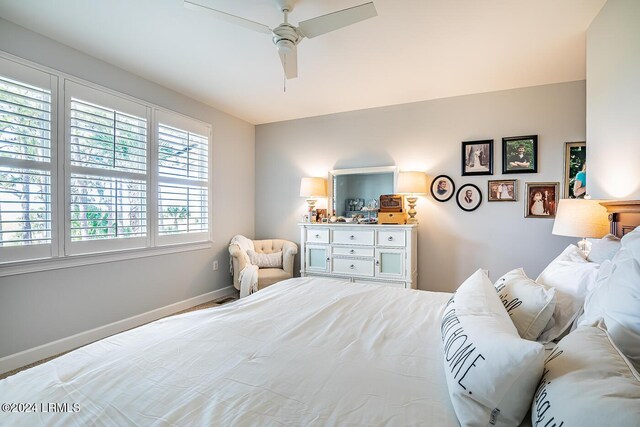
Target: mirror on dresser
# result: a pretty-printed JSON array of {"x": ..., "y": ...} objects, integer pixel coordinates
[{"x": 352, "y": 189}]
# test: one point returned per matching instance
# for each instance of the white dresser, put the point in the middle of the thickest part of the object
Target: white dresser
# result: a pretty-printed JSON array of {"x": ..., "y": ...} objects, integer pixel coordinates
[{"x": 377, "y": 254}]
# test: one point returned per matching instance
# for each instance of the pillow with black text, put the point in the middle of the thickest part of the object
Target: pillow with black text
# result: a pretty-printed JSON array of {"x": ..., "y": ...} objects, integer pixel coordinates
[{"x": 491, "y": 372}]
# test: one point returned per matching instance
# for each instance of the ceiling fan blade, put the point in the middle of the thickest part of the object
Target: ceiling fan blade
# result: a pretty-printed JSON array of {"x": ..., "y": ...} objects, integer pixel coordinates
[
  {"x": 333, "y": 21},
  {"x": 289, "y": 61},
  {"x": 201, "y": 6}
]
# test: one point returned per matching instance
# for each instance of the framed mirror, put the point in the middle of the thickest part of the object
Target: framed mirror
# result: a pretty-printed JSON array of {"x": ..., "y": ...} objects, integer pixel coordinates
[{"x": 350, "y": 190}]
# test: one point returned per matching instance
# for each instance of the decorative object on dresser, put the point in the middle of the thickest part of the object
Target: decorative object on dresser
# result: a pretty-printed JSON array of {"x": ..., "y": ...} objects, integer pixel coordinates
[
  {"x": 581, "y": 218},
  {"x": 392, "y": 209},
  {"x": 502, "y": 190},
  {"x": 412, "y": 183},
  {"x": 575, "y": 161},
  {"x": 378, "y": 254},
  {"x": 442, "y": 188},
  {"x": 312, "y": 188},
  {"x": 469, "y": 197},
  {"x": 477, "y": 157},
  {"x": 520, "y": 154},
  {"x": 541, "y": 199}
]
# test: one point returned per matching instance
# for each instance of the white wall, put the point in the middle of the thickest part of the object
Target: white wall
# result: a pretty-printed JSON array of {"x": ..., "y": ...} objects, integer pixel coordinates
[
  {"x": 427, "y": 136},
  {"x": 41, "y": 307},
  {"x": 613, "y": 101}
]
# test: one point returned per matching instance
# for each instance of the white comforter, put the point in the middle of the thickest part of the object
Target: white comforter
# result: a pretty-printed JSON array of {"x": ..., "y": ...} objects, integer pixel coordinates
[{"x": 304, "y": 352}]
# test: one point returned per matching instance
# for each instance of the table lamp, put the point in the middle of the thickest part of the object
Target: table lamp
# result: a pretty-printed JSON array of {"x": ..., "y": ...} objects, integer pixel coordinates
[
  {"x": 312, "y": 188},
  {"x": 581, "y": 218},
  {"x": 412, "y": 183}
]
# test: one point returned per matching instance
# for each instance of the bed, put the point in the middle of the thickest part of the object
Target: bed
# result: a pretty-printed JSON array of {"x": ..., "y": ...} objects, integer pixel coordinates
[{"x": 306, "y": 351}]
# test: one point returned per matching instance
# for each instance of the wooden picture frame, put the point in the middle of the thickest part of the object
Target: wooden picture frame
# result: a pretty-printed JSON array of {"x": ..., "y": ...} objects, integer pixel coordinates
[
  {"x": 575, "y": 161},
  {"x": 477, "y": 157},
  {"x": 541, "y": 199},
  {"x": 469, "y": 197},
  {"x": 442, "y": 188},
  {"x": 502, "y": 190},
  {"x": 520, "y": 154}
]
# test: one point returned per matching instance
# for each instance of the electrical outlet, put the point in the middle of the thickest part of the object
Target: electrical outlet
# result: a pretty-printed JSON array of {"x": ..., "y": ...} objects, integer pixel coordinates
[{"x": 215, "y": 265}]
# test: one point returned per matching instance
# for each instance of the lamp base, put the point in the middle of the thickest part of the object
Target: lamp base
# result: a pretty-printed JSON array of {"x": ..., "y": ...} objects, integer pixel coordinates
[
  {"x": 585, "y": 246},
  {"x": 411, "y": 201},
  {"x": 312, "y": 208}
]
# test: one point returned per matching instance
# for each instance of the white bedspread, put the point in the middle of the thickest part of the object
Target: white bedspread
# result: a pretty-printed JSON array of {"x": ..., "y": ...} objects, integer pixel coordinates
[{"x": 304, "y": 352}]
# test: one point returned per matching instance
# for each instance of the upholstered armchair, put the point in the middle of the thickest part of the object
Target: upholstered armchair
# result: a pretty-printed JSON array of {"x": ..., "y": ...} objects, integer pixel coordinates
[{"x": 266, "y": 276}]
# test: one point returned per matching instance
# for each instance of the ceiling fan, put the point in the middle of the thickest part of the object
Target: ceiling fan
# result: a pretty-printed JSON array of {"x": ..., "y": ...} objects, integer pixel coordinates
[{"x": 286, "y": 36}]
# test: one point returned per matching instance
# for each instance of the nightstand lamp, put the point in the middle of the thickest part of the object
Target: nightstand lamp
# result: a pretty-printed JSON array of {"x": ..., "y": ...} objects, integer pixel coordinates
[
  {"x": 412, "y": 183},
  {"x": 581, "y": 218},
  {"x": 312, "y": 188}
]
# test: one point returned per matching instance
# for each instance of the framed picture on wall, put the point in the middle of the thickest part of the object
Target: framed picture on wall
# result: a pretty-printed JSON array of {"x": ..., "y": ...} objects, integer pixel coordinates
[
  {"x": 502, "y": 190},
  {"x": 520, "y": 154},
  {"x": 477, "y": 157},
  {"x": 442, "y": 188},
  {"x": 541, "y": 199},
  {"x": 469, "y": 197},
  {"x": 575, "y": 170}
]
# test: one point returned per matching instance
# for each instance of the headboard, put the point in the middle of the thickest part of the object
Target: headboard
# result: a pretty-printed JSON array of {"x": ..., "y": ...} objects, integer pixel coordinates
[{"x": 624, "y": 215}]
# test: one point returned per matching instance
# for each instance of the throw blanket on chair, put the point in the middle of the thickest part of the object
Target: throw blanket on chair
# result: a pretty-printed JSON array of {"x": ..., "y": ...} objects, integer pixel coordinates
[{"x": 248, "y": 277}]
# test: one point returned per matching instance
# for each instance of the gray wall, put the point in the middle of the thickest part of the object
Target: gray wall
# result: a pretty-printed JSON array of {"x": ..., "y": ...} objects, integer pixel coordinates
[
  {"x": 427, "y": 136},
  {"x": 613, "y": 101},
  {"x": 41, "y": 307}
]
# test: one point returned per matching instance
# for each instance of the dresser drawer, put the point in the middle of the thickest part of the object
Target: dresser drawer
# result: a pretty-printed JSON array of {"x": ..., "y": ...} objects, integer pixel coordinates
[
  {"x": 353, "y": 251},
  {"x": 318, "y": 235},
  {"x": 351, "y": 266},
  {"x": 353, "y": 237},
  {"x": 391, "y": 238}
]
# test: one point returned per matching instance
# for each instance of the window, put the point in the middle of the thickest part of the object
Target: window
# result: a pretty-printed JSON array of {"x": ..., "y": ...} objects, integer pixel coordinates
[
  {"x": 107, "y": 174},
  {"x": 25, "y": 162},
  {"x": 183, "y": 179}
]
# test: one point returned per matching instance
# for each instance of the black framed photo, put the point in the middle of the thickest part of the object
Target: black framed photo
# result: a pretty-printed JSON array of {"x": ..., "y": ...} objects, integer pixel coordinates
[
  {"x": 477, "y": 157},
  {"x": 542, "y": 199},
  {"x": 469, "y": 197},
  {"x": 442, "y": 188},
  {"x": 502, "y": 190},
  {"x": 575, "y": 170},
  {"x": 520, "y": 154}
]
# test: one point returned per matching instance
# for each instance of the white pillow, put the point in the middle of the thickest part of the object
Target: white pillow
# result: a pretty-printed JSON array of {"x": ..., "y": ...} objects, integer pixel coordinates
[
  {"x": 587, "y": 382},
  {"x": 262, "y": 260},
  {"x": 573, "y": 277},
  {"x": 616, "y": 299},
  {"x": 491, "y": 372},
  {"x": 603, "y": 249},
  {"x": 529, "y": 304}
]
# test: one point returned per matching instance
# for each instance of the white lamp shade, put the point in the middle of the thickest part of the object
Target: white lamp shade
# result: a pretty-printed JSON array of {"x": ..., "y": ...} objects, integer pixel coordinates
[
  {"x": 581, "y": 218},
  {"x": 313, "y": 187},
  {"x": 412, "y": 182}
]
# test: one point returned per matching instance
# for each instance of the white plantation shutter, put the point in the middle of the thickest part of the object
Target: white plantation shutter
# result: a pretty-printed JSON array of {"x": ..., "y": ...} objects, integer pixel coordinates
[
  {"x": 107, "y": 177},
  {"x": 183, "y": 179},
  {"x": 25, "y": 162}
]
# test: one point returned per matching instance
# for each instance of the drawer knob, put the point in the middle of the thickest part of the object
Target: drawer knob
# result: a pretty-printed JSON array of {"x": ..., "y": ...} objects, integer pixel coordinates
[
  {"x": 317, "y": 236},
  {"x": 352, "y": 251},
  {"x": 377, "y": 262},
  {"x": 352, "y": 237},
  {"x": 390, "y": 238},
  {"x": 352, "y": 267}
]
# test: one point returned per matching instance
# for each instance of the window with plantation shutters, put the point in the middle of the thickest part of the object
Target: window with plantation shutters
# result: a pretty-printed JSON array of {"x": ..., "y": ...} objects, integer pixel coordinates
[
  {"x": 183, "y": 179},
  {"x": 25, "y": 162},
  {"x": 107, "y": 178}
]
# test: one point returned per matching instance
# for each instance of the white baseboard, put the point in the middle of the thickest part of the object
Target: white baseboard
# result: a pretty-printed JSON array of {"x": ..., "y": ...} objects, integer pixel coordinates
[{"x": 23, "y": 358}]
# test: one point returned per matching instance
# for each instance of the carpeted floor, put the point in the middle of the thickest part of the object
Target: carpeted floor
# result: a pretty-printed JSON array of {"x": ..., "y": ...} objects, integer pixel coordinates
[{"x": 197, "y": 307}]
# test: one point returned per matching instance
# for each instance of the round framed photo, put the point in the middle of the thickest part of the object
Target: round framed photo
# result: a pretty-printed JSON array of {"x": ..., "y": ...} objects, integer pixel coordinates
[
  {"x": 469, "y": 197},
  {"x": 442, "y": 188}
]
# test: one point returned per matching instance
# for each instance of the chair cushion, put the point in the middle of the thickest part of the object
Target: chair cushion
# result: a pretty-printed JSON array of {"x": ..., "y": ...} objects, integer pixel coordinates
[{"x": 269, "y": 276}]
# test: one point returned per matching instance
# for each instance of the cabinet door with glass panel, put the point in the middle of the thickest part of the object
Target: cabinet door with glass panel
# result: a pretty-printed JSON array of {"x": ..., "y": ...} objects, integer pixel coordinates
[
  {"x": 390, "y": 263},
  {"x": 317, "y": 258}
]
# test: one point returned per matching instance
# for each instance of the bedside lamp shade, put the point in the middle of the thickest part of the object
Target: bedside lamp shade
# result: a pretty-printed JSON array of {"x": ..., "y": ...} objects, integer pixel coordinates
[
  {"x": 581, "y": 218},
  {"x": 313, "y": 187},
  {"x": 412, "y": 183}
]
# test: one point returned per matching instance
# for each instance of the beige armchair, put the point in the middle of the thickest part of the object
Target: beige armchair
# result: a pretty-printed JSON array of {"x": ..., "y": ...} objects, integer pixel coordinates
[{"x": 266, "y": 276}]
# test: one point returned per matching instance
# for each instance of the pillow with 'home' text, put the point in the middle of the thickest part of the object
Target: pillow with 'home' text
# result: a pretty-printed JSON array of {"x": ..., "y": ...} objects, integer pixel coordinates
[
  {"x": 491, "y": 372},
  {"x": 529, "y": 304},
  {"x": 262, "y": 260}
]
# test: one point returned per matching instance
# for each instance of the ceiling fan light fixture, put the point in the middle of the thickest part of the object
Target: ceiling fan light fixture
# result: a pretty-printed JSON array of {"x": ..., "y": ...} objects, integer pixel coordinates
[{"x": 285, "y": 46}]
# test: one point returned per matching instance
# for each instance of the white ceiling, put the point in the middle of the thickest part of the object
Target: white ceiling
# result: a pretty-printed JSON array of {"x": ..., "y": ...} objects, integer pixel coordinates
[{"x": 413, "y": 50}]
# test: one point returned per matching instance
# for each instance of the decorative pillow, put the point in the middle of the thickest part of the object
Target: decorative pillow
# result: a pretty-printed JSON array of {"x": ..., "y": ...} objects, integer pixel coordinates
[
  {"x": 587, "y": 382},
  {"x": 616, "y": 299},
  {"x": 529, "y": 304},
  {"x": 262, "y": 260},
  {"x": 491, "y": 372},
  {"x": 573, "y": 277},
  {"x": 603, "y": 249}
]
